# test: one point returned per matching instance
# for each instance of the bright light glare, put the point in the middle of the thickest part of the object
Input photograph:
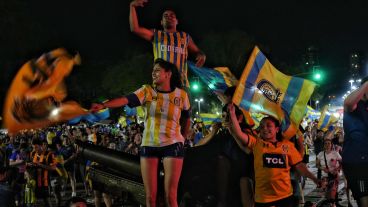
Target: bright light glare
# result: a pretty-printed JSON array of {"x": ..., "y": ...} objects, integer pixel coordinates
[
  {"x": 55, "y": 112},
  {"x": 336, "y": 114}
]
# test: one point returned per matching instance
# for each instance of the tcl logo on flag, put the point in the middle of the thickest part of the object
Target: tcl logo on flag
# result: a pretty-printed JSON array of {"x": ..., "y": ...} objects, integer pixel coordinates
[{"x": 274, "y": 160}]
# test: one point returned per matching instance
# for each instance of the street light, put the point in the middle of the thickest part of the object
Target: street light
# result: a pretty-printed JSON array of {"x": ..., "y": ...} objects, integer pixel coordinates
[
  {"x": 317, "y": 102},
  {"x": 199, "y": 104},
  {"x": 351, "y": 82}
]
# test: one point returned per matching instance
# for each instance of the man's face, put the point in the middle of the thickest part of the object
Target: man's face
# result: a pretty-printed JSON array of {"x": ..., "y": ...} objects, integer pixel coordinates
[{"x": 169, "y": 20}]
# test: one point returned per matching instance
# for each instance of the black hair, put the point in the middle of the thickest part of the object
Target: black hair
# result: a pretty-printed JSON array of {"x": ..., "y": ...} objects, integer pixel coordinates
[
  {"x": 277, "y": 124},
  {"x": 175, "y": 81},
  {"x": 36, "y": 142},
  {"x": 238, "y": 112}
]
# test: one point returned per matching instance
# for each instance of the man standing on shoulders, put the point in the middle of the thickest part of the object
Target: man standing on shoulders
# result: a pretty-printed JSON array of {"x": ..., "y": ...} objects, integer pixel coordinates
[{"x": 168, "y": 44}]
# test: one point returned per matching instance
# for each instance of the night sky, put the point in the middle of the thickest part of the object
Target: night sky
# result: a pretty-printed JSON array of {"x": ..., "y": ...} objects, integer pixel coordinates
[{"x": 99, "y": 30}]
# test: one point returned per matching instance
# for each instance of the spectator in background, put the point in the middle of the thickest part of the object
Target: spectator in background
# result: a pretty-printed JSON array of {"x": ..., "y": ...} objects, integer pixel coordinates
[
  {"x": 328, "y": 161},
  {"x": 318, "y": 147},
  {"x": 30, "y": 188}
]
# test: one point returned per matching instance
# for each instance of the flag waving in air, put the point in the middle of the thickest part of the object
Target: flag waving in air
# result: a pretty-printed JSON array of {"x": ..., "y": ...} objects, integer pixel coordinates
[
  {"x": 327, "y": 119},
  {"x": 311, "y": 113},
  {"x": 218, "y": 79},
  {"x": 264, "y": 89},
  {"x": 209, "y": 119},
  {"x": 36, "y": 97}
]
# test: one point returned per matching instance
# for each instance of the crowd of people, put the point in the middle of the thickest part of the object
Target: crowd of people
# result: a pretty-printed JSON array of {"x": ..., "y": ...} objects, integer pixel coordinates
[
  {"x": 44, "y": 162},
  {"x": 269, "y": 170}
]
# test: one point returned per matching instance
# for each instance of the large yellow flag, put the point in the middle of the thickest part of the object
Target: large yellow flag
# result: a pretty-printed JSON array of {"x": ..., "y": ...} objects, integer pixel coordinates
[
  {"x": 264, "y": 89},
  {"x": 36, "y": 96}
]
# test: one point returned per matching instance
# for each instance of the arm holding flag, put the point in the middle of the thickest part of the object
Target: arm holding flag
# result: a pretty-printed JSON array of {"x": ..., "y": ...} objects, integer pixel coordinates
[
  {"x": 114, "y": 103},
  {"x": 240, "y": 137}
]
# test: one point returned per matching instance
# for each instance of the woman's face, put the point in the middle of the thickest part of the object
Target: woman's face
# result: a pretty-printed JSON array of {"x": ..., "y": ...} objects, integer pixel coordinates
[
  {"x": 159, "y": 75},
  {"x": 268, "y": 130},
  {"x": 328, "y": 145}
]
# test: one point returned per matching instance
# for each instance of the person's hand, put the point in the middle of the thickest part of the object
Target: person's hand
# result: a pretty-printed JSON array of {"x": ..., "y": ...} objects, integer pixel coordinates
[
  {"x": 138, "y": 3},
  {"x": 96, "y": 107},
  {"x": 231, "y": 109},
  {"x": 200, "y": 59}
]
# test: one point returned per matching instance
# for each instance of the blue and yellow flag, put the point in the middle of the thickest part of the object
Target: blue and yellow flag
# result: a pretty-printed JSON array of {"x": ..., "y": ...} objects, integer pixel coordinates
[
  {"x": 92, "y": 117},
  {"x": 218, "y": 80},
  {"x": 312, "y": 114},
  {"x": 327, "y": 119},
  {"x": 257, "y": 117},
  {"x": 209, "y": 119},
  {"x": 264, "y": 89}
]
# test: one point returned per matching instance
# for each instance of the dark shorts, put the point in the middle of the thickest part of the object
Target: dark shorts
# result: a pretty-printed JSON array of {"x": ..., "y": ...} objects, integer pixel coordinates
[
  {"x": 174, "y": 150},
  {"x": 285, "y": 202},
  {"x": 357, "y": 178}
]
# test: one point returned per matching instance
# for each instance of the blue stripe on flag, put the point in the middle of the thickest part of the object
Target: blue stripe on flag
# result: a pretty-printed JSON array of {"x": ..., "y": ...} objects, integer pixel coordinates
[
  {"x": 292, "y": 94},
  {"x": 220, "y": 78},
  {"x": 251, "y": 79},
  {"x": 210, "y": 76},
  {"x": 290, "y": 98},
  {"x": 285, "y": 123},
  {"x": 326, "y": 119}
]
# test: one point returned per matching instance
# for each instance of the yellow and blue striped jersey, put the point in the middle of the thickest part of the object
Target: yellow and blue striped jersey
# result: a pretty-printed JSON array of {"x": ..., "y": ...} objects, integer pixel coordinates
[
  {"x": 162, "y": 114},
  {"x": 172, "y": 47}
]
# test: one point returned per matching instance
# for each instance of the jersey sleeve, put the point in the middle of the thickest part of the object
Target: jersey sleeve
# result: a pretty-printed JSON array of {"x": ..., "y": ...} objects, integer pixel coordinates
[
  {"x": 138, "y": 98},
  {"x": 252, "y": 141}
]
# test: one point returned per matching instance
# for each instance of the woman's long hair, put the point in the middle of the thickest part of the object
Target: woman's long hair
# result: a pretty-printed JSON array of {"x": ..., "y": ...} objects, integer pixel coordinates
[{"x": 175, "y": 81}]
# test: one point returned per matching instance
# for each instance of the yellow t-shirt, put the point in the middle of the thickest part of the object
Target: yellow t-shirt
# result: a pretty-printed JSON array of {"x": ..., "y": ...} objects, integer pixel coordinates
[{"x": 272, "y": 162}]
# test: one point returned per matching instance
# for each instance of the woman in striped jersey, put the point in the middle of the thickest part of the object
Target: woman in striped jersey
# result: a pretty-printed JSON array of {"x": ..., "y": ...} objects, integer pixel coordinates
[{"x": 167, "y": 122}]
